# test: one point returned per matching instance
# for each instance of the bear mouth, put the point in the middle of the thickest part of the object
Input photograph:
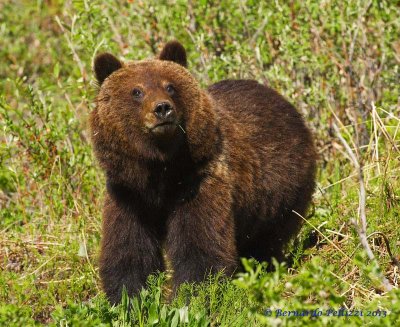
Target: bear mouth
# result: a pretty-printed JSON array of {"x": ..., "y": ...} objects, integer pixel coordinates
[
  {"x": 165, "y": 123},
  {"x": 164, "y": 127}
]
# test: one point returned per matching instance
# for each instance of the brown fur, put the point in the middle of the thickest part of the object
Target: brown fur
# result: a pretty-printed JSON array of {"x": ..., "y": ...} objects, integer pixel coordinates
[{"x": 218, "y": 184}]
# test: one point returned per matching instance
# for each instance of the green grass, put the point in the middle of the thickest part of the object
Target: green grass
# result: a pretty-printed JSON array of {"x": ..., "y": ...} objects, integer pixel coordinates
[{"x": 338, "y": 62}]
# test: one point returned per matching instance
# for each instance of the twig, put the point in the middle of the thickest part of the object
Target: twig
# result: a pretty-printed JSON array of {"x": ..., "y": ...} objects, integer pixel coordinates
[
  {"x": 382, "y": 126},
  {"x": 38, "y": 268},
  {"x": 76, "y": 57},
  {"x": 395, "y": 261},
  {"x": 322, "y": 234},
  {"x": 361, "y": 226},
  {"x": 180, "y": 126},
  {"x": 325, "y": 198},
  {"x": 118, "y": 36}
]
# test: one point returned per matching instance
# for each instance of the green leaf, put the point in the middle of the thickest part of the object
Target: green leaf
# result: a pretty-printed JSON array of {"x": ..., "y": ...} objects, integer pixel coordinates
[
  {"x": 175, "y": 319},
  {"x": 153, "y": 314}
]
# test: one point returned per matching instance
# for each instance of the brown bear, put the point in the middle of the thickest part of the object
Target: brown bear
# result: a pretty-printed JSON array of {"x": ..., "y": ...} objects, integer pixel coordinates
[{"x": 209, "y": 175}]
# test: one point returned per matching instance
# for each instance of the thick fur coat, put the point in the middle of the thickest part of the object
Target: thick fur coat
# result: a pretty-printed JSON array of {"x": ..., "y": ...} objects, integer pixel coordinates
[{"x": 208, "y": 175}]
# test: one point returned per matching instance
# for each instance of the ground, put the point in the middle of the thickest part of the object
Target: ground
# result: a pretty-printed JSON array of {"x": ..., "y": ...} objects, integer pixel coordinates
[{"x": 337, "y": 62}]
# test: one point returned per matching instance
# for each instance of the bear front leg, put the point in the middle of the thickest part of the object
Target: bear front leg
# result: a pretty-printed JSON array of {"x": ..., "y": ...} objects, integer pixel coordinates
[
  {"x": 129, "y": 251},
  {"x": 201, "y": 236}
]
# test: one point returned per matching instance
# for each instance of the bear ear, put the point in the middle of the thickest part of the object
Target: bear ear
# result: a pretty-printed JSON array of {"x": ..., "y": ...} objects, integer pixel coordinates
[
  {"x": 174, "y": 51},
  {"x": 104, "y": 65}
]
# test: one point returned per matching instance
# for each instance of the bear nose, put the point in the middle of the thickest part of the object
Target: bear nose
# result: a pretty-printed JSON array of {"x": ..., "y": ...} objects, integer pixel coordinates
[{"x": 163, "y": 110}]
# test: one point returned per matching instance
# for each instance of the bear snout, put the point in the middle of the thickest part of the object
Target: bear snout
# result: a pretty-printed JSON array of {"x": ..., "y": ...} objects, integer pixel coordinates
[
  {"x": 163, "y": 110},
  {"x": 162, "y": 119}
]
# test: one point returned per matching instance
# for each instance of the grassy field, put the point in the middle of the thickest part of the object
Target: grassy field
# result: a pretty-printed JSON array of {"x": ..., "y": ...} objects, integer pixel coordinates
[{"x": 337, "y": 61}]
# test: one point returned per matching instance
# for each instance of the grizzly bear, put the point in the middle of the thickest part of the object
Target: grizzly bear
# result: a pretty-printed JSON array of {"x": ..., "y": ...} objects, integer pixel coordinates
[{"x": 208, "y": 175}]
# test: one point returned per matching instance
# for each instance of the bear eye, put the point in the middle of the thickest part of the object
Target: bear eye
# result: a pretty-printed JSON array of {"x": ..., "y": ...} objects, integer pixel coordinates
[
  {"x": 137, "y": 93},
  {"x": 170, "y": 89}
]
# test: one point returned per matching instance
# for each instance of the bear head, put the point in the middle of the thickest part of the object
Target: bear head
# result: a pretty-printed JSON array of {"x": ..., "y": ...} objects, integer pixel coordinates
[{"x": 152, "y": 108}]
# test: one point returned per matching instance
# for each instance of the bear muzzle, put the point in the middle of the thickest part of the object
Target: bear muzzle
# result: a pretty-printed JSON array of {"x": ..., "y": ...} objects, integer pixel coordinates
[
  {"x": 166, "y": 118},
  {"x": 163, "y": 110}
]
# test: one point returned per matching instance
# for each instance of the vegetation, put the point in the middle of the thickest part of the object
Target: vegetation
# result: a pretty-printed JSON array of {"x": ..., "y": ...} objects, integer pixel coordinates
[{"x": 338, "y": 62}]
